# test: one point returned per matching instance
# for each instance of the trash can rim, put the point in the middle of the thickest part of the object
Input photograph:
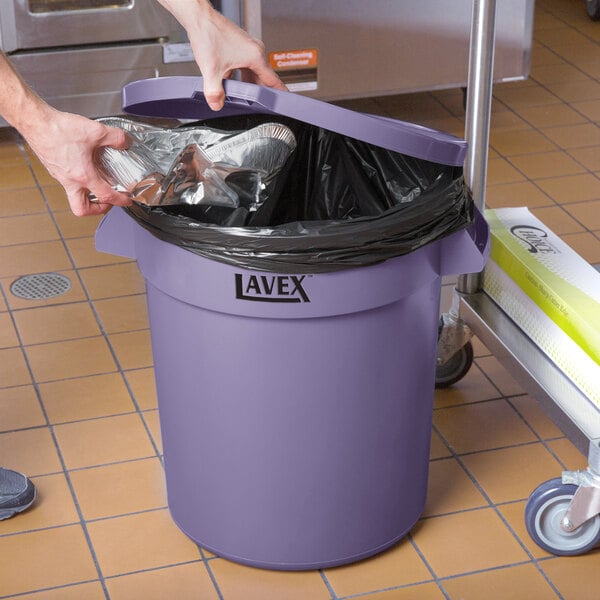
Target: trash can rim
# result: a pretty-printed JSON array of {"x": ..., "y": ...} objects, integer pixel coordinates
[{"x": 182, "y": 97}]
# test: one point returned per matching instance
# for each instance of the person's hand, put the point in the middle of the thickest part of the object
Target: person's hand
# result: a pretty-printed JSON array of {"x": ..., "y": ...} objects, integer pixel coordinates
[
  {"x": 221, "y": 47},
  {"x": 66, "y": 145}
]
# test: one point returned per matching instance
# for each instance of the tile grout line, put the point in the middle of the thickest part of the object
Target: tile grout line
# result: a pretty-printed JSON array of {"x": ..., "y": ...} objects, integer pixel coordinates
[
  {"x": 543, "y": 441},
  {"x": 538, "y": 130},
  {"x": 501, "y": 395},
  {"x": 93, "y": 520},
  {"x": 428, "y": 565},
  {"x": 158, "y": 568},
  {"x": 405, "y": 586},
  {"x": 492, "y": 569},
  {"x": 76, "y": 377},
  {"x": 87, "y": 420},
  {"x": 121, "y": 371},
  {"x": 24, "y": 309},
  {"x": 40, "y": 399},
  {"x": 82, "y": 521},
  {"x": 507, "y": 398},
  {"x": 440, "y": 580},
  {"x": 35, "y": 385},
  {"x": 328, "y": 585},
  {"x": 104, "y": 334},
  {"x": 496, "y": 449},
  {"x": 48, "y": 589},
  {"x": 499, "y": 514},
  {"x": 556, "y": 15},
  {"x": 212, "y": 576},
  {"x": 561, "y": 101}
]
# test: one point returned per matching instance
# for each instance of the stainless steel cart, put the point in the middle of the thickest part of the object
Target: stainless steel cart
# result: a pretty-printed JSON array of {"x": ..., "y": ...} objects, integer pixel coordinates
[{"x": 563, "y": 514}]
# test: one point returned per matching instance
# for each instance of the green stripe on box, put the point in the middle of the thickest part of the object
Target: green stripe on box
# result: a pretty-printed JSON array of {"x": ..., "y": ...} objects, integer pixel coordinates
[{"x": 579, "y": 318}]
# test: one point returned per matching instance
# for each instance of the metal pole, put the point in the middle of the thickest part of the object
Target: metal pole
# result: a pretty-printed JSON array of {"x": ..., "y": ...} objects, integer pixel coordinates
[
  {"x": 251, "y": 13},
  {"x": 479, "y": 107}
]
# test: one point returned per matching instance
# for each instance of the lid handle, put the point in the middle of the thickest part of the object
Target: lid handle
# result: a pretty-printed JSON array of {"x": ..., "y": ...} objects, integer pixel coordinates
[{"x": 229, "y": 100}]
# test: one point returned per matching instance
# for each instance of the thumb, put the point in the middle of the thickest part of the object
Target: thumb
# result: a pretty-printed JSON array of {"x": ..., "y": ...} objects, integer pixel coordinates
[
  {"x": 214, "y": 92},
  {"x": 115, "y": 138}
]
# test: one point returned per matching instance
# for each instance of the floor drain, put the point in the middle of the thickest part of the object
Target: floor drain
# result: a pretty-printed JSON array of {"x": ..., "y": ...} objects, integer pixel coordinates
[{"x": 40, "y": 286}]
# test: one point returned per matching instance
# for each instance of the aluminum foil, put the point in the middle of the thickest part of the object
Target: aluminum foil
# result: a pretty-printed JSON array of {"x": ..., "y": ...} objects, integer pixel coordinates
[{"x": 196, "y": 165}]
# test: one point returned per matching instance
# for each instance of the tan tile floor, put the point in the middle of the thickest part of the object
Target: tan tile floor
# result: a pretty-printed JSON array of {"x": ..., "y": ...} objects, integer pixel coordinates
[{"x": 78, "y": 406}]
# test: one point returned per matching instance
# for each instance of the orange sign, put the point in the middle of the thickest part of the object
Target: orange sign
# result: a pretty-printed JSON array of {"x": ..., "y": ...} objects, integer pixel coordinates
[{"x": 294, "y": 59}]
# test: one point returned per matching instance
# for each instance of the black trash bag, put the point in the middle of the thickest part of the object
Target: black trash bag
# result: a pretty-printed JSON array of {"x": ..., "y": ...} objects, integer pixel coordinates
[{"x": 338, "y": 203}]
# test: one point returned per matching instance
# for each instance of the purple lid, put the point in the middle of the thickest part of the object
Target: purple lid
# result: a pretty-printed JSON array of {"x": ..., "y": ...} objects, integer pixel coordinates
[{"x": 183, "y": 98}]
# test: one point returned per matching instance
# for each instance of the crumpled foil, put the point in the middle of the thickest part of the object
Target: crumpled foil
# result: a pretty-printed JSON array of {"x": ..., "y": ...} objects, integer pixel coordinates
[{"x": 196, "y": 165}]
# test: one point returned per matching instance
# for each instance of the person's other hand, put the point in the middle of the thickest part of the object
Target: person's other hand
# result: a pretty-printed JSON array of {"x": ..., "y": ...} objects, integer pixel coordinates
[{"x": 66, "y": 146}]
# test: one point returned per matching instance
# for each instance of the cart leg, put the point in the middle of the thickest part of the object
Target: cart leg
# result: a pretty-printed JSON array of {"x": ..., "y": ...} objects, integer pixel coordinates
[
  {"x": 586, "y": 501},
  {"x": 455, "y": 354}
]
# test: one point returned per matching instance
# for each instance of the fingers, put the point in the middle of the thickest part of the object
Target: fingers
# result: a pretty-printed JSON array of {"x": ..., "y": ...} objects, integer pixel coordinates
[
  {"x": 261, "y": 73},
  {"x": 261, "y": 70},
  {"x": 266, "y": 77},
  {"x": 213, "y": 86},
  {"x": 253, "y": 67},
  {"x": 275, "y": 83},
  {"x": 82, "y": 206},
  {"x": 95, "y": 198},
  {"x": 96, "y": 208},
  {"x": 112, "y": 197}
]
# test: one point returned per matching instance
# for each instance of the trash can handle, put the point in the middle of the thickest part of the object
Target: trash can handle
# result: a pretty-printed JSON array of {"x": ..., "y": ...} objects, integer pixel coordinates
[
  {"x": 115, "y": 234},
  {"x": 232, "y": 101},
  {"x": 467, "y": 250},
  {"x": 183, "y": 98}
]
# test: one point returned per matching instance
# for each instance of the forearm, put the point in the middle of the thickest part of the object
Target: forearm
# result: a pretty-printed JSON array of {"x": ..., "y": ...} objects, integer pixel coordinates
[
  {"x": 190, "y": 13},
  {"x": 20, "y": 106}
]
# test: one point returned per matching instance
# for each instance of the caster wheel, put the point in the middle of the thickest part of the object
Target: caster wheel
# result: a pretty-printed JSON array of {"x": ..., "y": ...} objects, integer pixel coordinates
[
  {"x": 455, "y": 368},
  {"x": 593, "y": 9},
  {"x": 543, "y": 513}
]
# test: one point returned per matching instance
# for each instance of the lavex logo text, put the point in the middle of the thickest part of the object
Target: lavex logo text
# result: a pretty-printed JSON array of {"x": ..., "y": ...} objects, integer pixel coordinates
[
  {"x": 270, "y": 288},
  {"x": 535, "y": 238}
]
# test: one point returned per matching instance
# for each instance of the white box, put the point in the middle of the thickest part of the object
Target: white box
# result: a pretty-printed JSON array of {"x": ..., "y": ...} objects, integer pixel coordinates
[{"x": 549, "y": 291}]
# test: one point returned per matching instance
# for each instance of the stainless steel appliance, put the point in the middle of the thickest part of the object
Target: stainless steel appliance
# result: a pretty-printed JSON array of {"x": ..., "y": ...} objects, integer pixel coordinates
[
  {"x": 78, "y": 54},
  {"x": 335, "y": 49}
]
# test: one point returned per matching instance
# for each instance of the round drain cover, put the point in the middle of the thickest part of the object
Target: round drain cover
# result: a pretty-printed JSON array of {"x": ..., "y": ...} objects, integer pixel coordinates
[{"x": 40, "y": 286}]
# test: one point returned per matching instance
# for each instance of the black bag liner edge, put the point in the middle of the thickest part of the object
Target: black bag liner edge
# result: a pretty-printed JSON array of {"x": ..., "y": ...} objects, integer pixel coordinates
[{"x": 338, "y": 203}]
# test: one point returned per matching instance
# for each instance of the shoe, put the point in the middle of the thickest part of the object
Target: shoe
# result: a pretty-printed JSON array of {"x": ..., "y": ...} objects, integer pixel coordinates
[{"x": 17, "y": 493}]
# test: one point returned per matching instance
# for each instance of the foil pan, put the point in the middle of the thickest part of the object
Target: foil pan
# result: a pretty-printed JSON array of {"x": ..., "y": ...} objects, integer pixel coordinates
[{"x": 196, "y": 165}]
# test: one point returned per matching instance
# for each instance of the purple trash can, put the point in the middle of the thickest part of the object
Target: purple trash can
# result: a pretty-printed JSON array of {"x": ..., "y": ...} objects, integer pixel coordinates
[{"x": 295, "y": 410}]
